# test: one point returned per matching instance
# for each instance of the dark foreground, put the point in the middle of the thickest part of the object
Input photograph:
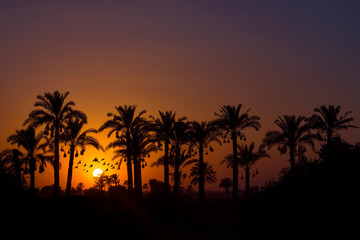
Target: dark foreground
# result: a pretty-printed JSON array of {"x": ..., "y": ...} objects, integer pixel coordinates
[{"x": 157, "y": 218}]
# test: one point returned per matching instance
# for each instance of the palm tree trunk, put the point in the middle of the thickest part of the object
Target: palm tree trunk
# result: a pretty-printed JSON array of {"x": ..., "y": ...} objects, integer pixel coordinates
[
  {"x": 17, "y": 168},
  {"x": 166, "y": 168},
  {"x": 32, "y": 175},
  {"x": 235, "y": 167},
  {"x": 201, "y": 175},
  {"x": 56, "y": 162},
  {"x": 176, "y": 173},
  {"x": 292, "y": 156},
  {"x": 247, "y": 181},
  {"x": 129, "y": 171},
  {"x": 137, "y": 179},
  {"x": 69, "y": 176}
]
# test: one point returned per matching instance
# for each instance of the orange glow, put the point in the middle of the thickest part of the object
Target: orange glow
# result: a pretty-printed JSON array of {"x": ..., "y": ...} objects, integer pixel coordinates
[{"x": 109, "y": 55}]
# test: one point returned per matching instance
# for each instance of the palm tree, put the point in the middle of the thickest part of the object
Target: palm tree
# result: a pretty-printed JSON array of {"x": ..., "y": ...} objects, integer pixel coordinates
[
  {"x": 185, "y": 159},
  {"x": 226, "y": 183},
  {"x": 74, "y": 138},
  {"x": 327, "y": 120},
  {"x": 164, "y": 126},
  {"x": 247, "y": 158},
  {"x": 143, "y": 143},
  {"x": 209, "y": 174},
  {"x": 201, "y": 135},
  {"x": 295, "y": 132},
  {"x": 179, "y": 140},
  {"x": 11, "y": 161},
  {"x": 51, "y": 109},
  {"x": 122, "y": 124},
  {"x": 31, "y": 144},
  {"x": 232, "y": 123}
]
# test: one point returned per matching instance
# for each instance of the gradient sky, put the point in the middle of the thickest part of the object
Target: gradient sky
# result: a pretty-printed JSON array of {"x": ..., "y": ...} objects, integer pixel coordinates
[{"x": 277, "y": 57}]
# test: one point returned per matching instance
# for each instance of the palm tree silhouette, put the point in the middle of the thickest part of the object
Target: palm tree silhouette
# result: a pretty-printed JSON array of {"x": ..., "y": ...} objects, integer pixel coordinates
[
  {"x": 232, "y": 122},
  {"x": 143, "y": 143},
  {"x": 122, "y": 124},
  {"x": 11, "y": 160},
  {"x": 180, "y": 139},
  {"x": 185, "y": 159},
  {"x": 201, "y": 135},
  {"x": 327, "y": 120},
  {"x": 209, "y": 174},
  {"x": 52, "y": 109},
  {"x": 164, "y": 126},
  {"x": 247, "y": 158},
  {"x": 74, "y": 138},
  {"x": 226, "y": 183},
  {"x": 30, "y": 142},
  {"x": 295, "y": 132}
]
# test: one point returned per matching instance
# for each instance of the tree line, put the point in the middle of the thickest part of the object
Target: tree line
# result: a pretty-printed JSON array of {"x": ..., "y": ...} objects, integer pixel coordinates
[{"x": 183, "y": 142}]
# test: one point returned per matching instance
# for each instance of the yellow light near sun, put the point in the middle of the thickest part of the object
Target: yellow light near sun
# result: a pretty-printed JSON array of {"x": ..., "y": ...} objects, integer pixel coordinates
[{"x": 97, "y": 172}]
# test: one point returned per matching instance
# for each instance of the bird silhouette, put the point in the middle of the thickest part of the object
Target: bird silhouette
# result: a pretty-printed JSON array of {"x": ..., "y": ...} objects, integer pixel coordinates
[
  {"x": 95, "y": 159},
  {"x": 84, "y": 165},
  {"x": 79, "y": 162},
  {"x": 91, "y": 166}
]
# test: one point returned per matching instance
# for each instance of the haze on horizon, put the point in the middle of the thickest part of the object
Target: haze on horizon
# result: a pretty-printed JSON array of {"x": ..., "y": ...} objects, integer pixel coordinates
[{"x": 273, "y": 57}]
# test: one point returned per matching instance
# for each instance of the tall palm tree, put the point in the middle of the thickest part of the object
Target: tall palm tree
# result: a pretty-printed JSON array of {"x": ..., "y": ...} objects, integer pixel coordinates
[
  {"x": 233, "y": 122},
  {"x": 122, "y": 123},
  {"x": 164, "y": 126},
  {"x": 179, "y": 140},
  {"x": 209, "y": 173},
  {"x": 201, "y": 135},
  {"x": 247, "y": 158},
  {"x": 77, "y": 140},
  {"x": 185, "y": 160},
  {"x": 30, "y": 142},
  {"x": 327, "y": 120},
  {"x": 294, "y": 134},
  {"x": 143, "y": 143},
  {"x": 51, "y": 110}
]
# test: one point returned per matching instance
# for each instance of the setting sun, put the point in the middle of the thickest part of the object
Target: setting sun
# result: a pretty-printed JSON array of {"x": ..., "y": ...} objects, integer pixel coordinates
[{"x": 97, "y": 172}]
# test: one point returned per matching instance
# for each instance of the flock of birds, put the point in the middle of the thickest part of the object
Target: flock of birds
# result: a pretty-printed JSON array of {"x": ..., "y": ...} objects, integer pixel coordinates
[{"x": 102, "y": 162}]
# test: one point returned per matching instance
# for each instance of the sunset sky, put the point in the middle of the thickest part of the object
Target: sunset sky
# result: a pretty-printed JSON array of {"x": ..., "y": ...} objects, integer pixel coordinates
[{"x": 192, "y": 57}]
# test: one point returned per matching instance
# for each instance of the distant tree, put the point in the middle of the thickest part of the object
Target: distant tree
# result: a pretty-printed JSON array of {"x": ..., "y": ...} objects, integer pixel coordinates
[
  {"x": 232, "y": 122},
  {"x": 210, "y": 174},
  {"x": 101, "y": 182},
  {"x": 326, "y": 119},
  {"x": 164, "y": 127},
  {"x": 113, "y": 180},
  {"x": 80, "y": 188},
  {"x": 51, "y": 110},
  {"x": 201, "y": 136},
  {"x": 30, "y": 142},
  {"x": 156, "y": 187},
  {"x": 294, "y": 134},
  {"x": 77, "y": 140},
  {"x": 226, "y": 183},
  {"x": 146, "y": 186}
]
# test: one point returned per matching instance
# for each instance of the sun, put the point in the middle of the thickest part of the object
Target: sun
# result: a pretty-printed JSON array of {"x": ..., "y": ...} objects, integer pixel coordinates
[{"x": 97, "y": 172}]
